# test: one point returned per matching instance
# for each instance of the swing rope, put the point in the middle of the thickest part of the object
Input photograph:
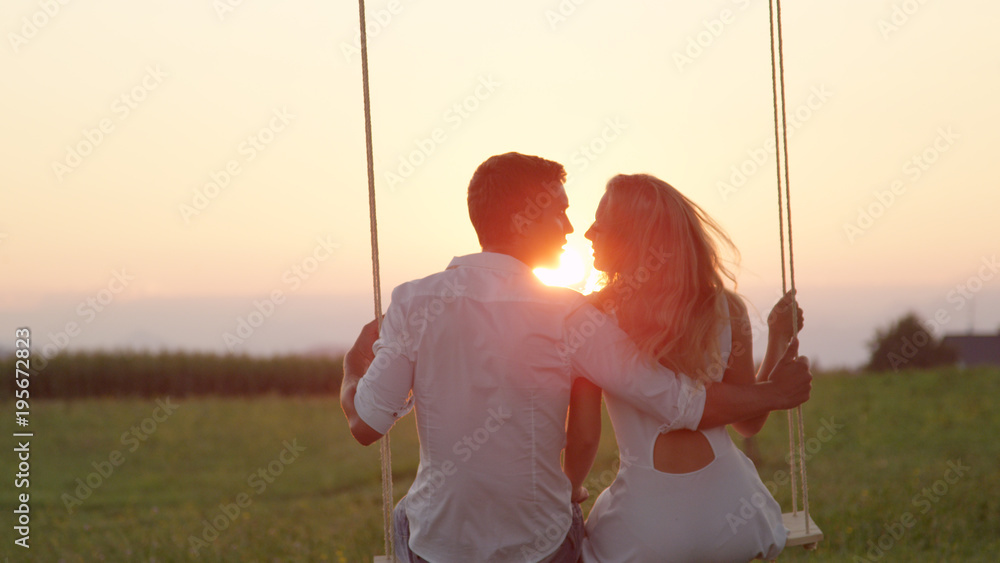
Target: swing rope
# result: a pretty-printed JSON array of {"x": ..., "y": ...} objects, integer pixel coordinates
[
  {"x": 785, "y": 208},
  {"x": 385, "y": 453}
]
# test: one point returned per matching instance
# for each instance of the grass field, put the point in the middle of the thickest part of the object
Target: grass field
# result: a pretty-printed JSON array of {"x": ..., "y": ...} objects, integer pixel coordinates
[{"x": 279, "y": 478}]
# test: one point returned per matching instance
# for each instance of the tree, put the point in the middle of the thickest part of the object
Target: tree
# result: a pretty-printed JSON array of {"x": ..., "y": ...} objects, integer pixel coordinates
[{"x": 908, "y": 344}]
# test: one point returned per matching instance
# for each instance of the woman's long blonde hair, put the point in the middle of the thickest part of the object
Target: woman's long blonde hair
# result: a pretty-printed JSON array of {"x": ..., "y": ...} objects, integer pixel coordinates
[{"x": 668, "y": 292}]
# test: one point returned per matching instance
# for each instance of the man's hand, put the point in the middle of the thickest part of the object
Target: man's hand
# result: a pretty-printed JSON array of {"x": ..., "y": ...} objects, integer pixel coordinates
[
  {"x": 788, "y": 386},
  {"x": 356, "y": 363},
  {"x": 580, "y": 494},
  {"x": 791, "y": 379},
  {"x": 361, "y": 353}
]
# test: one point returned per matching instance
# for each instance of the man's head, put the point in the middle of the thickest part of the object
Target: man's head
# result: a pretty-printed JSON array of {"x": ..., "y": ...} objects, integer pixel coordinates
[{"x": 517, "y": 205}]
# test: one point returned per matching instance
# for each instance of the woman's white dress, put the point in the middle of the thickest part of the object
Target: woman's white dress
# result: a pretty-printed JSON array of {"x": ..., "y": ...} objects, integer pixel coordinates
[{"x": 721, "y": 512}]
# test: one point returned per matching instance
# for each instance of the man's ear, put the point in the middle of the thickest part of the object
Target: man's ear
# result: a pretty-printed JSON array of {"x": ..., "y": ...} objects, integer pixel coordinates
[{"x": 519, "y": 225}]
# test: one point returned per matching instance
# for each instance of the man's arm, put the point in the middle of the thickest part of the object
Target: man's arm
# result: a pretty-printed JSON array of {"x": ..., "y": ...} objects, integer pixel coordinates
[
  {"x": 780, "y": 331},
  {"x": 356, "y": 363},
  {"x": 610, "y": 360},
  {"x": 788, "y": 386}
]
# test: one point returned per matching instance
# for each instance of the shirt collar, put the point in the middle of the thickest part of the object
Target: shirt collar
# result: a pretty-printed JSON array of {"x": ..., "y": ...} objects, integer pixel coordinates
[{"x": 491, "y": 261}]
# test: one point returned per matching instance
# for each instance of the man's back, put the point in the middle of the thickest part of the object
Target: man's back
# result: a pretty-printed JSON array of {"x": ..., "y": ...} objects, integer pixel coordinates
[{"x": 485, "y": 344}]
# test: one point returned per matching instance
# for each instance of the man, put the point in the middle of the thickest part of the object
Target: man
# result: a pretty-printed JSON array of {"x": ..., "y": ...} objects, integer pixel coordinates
[{"x": 486, "y": 354}]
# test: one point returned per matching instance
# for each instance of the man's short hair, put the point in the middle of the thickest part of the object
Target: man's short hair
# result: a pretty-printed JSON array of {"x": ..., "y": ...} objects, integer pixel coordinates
[{"x": 504, "y": 186}]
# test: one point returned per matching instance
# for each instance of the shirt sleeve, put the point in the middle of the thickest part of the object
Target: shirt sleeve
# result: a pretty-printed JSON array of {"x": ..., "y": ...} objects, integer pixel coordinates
[
  {"x": 385, "y": 392},
  {"x": 601, "y": 352}
]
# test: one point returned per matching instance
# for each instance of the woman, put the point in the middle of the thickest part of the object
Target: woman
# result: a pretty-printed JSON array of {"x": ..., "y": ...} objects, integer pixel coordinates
[{"x": 682, "y": 495}]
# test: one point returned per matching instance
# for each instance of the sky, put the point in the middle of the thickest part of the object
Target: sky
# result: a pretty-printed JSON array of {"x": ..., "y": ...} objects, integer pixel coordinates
[{"x": 192, "y": 174}]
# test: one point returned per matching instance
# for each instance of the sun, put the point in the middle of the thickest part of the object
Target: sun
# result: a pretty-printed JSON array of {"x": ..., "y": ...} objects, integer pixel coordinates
[{"x": 570, "y": 272}]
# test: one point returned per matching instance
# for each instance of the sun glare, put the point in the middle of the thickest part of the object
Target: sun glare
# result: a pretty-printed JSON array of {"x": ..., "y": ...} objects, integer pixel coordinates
[
  {"x": 570, "y": 272},
  {"x": 595, "y": 282}
]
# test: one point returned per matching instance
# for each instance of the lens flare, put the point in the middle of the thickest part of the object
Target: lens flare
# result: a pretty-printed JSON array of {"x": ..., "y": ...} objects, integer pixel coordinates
[{"x": 570, "y": 272}]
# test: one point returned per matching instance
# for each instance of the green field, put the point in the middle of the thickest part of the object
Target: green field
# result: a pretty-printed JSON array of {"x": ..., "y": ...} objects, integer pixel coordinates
[{"x": 879, "y": 473}]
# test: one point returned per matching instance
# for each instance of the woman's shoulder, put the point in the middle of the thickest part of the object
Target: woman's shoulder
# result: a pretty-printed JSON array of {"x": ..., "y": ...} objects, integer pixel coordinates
[
  {"x": 737, "y": 307},
  {"x": 603, "y": 300}
]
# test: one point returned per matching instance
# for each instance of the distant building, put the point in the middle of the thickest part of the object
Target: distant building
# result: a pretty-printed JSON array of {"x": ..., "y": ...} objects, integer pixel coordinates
[{"x": 974, "y": 349}]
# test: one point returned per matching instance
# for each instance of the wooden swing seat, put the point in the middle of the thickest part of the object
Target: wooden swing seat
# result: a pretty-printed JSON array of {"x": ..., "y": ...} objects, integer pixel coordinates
[{"x": 796, "y": 524}]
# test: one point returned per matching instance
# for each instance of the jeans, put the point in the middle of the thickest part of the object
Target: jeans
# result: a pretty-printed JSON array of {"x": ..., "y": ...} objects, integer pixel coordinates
[{"x": 568, "y": 552}]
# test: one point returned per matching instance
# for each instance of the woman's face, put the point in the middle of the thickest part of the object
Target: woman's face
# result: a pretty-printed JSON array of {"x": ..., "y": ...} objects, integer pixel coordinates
[{"x": 607, "y": 247}]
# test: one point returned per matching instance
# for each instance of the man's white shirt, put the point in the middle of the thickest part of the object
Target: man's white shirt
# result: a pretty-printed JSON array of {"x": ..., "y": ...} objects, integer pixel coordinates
[{"x": 487, "y": 354}]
